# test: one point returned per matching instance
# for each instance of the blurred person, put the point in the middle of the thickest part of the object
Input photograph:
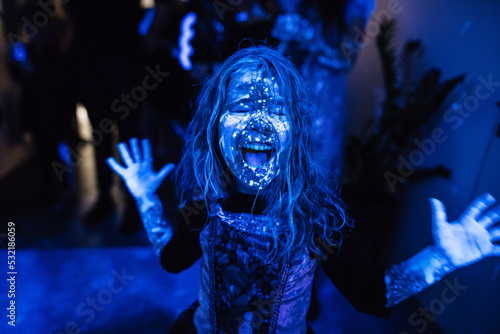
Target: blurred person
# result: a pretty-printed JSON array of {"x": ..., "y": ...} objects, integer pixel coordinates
[
  {"x": 323, "y": 39},
  {"x": 41, "y": 62},
  {"x": 185, "y": 39},
  {"x": 248, "y": 23},
  {"x": 109, "y": 61}
]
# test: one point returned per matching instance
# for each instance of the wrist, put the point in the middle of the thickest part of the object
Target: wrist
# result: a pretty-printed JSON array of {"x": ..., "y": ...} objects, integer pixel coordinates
[
  {"x": 433, "y": 264},
  {"x": 415, "y": 274},
  {"x": 147, "y": 201}
]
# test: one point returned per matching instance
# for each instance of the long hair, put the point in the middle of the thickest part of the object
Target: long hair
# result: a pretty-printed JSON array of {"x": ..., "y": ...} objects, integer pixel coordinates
[{"x": 300, "y": 196}]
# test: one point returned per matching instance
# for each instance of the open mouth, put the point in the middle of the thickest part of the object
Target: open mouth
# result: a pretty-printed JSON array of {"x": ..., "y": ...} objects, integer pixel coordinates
[{"x": 257, "y": 154}]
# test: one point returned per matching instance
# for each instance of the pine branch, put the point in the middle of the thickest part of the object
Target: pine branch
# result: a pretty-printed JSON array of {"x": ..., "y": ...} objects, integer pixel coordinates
[
  {"x": 388, "y": 57},
  {"x": 442, "y": 93},
  {"x": 411, "y": 56}
]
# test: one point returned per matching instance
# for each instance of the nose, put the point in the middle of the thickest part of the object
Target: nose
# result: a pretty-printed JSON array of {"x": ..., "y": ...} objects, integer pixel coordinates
[{"x": 260, "y": 123}]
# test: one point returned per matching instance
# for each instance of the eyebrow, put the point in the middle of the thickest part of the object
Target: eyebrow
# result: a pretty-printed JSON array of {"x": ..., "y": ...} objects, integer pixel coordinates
[
  {"x": 232, "y": 99},
  {"x": 246, "y": 98}
]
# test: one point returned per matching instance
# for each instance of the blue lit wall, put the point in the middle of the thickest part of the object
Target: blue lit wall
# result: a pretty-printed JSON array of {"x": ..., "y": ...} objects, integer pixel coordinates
[{"x": 459, "y": 37}]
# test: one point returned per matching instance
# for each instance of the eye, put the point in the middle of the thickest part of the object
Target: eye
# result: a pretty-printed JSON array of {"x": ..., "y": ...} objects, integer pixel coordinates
[
  {"x": 240, "y": 107},
  {"x": 278, "y": 110}
]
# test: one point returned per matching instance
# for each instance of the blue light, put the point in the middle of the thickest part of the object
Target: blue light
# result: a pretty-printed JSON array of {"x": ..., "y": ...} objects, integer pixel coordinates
[
  {"x": 241, "y": 17},
  {"x": 187, "y": 34},
  {"x": 19, "y": 51},
  {"x": 64, "y": 153},
  {"x": 146, "y": 21}
]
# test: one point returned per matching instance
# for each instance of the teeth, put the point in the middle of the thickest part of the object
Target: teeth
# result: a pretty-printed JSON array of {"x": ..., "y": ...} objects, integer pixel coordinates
[{"x": 257, "y": 147}]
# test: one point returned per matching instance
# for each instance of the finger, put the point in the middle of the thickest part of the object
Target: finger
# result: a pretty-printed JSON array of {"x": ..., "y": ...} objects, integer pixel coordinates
[
  {"x": 496, "y": 251},
  {"x": 125, "y": 154},
  {"x": 495, "y": 234},
  {"x": 115, "y": 166},
  {"x": 490, "y": 218},
  {"x": 164, "y": 171},
  {"x": 146, "y": 149},
  {"x": 478, "y": 206},
  {"x": 136, "y": 152},
  {"x": 438, "y": 212}
]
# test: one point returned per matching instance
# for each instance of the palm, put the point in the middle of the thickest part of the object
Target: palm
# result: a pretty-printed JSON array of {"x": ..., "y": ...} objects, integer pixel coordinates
[
  {"x": 138, "y": 174},
  {"x": 470, "y": 238}
]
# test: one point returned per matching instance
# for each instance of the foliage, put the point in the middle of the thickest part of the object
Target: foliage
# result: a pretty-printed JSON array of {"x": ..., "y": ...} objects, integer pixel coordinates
[{"x": 412, "y": 98}]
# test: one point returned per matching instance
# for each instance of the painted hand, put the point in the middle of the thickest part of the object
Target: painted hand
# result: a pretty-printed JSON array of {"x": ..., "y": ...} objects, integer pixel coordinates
[
  {"x": 470, "y": 238},
  {"x": 140, "y": 178}
]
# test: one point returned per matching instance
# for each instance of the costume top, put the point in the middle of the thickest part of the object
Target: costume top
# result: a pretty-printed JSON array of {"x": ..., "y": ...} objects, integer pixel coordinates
[{"x": 243, "y": 293}]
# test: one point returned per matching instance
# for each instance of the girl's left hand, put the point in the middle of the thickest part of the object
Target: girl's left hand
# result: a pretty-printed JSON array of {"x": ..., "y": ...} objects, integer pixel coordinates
[{"x": 470, "y": 238}]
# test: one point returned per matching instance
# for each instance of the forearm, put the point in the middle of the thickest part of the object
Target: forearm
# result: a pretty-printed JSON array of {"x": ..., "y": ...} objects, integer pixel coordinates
[
  {"x": 415, "y": 274},
  {"x": 158, "y": 230}
]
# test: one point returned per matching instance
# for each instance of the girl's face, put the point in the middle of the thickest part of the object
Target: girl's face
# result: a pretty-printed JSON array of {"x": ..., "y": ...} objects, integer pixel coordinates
[{"x": 254, "y": 130}]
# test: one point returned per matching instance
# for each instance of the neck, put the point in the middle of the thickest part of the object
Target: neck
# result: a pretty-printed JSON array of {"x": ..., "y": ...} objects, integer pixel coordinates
[{"x": 245, "y": 189}]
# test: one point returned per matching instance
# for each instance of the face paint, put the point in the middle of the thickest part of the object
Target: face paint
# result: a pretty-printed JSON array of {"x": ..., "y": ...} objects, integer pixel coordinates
[{"x": 253, "y": 130}]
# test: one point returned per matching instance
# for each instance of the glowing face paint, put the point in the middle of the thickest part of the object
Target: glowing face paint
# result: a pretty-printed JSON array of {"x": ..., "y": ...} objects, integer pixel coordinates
[{"x": 253, "y": 130}]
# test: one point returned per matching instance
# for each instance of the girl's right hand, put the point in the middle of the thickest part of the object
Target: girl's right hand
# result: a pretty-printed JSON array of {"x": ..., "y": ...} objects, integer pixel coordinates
[{"x": 138, "y": 174}]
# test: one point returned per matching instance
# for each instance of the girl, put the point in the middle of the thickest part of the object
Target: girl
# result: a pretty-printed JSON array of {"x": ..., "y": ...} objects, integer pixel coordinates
[{"x": 258, "y": 210}]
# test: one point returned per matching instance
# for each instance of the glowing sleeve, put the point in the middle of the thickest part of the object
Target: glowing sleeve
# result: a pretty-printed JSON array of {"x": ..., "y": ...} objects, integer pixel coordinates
[
  {"x": 415, "y": 274},
  {"x": 159, "y": 231}
]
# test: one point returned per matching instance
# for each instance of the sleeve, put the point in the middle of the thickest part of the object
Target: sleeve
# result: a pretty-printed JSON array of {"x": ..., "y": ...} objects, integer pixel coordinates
[
  {"x": 416, "y": 274},
  {"x": 184, "y": 248},
  {"x": 357, "y": 277}
]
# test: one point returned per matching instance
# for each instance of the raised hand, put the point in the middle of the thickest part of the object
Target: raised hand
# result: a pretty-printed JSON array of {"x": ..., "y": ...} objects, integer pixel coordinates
[
  {"x": 471, "y": 237},
  {"x": 456, "y": 244},
  {"x": 138, "y": 174}
]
